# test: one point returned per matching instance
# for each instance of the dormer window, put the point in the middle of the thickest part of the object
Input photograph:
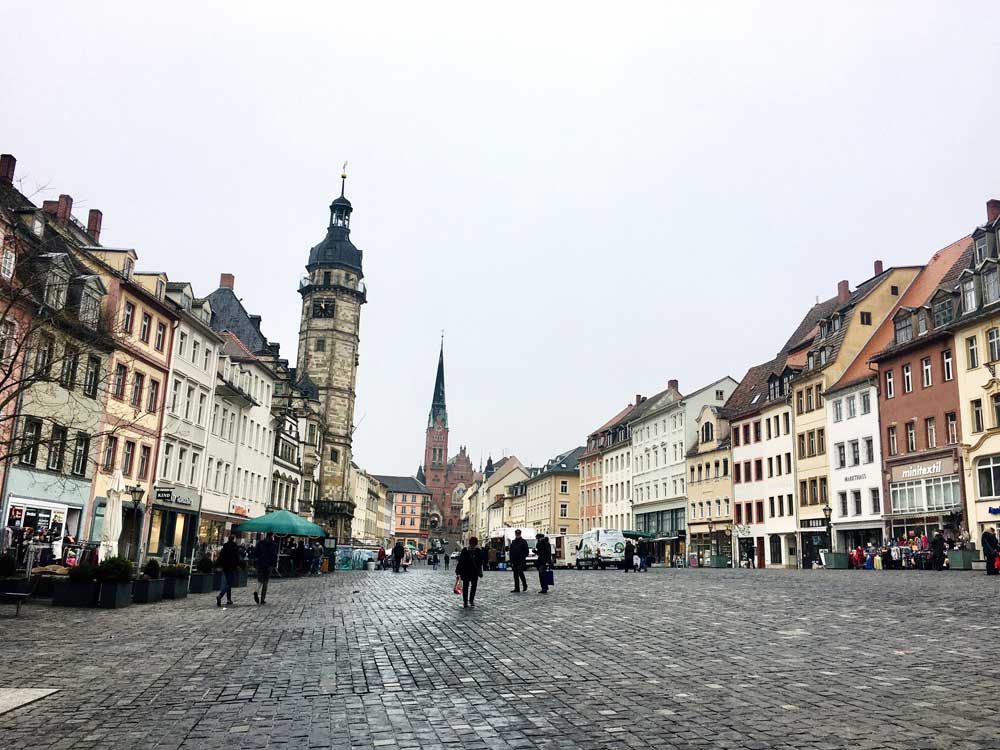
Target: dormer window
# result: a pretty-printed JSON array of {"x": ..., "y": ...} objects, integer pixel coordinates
[
  {"x": 823, "y": 355},
  {"x": 822, "y": 329},
  {"x": 981, "y": 249},
  {"x": 55, "y": 291},
  {"x": 991, "y": 287},
  {"x": 707, "y": 433},
  {"x": 904, "y": 329},
  {"x": 836, "y": 322},
  {"x": 811, "y": 361},
  {"x": 944, "y": 313},
  {"x": 38, "y": 226},
  {"x": 89, "y": 307},
  {"x": 921, "y": 323},
  {"x": 129, "y": 267},
  {"x": 161, "y": 288},
  {"x": 968, "y": 296},
  {"x": 7, "y": 264}
]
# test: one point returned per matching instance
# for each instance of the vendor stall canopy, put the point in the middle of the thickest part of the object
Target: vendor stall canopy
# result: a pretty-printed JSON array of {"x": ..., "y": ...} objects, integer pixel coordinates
[{"x": 281, "y": 522}]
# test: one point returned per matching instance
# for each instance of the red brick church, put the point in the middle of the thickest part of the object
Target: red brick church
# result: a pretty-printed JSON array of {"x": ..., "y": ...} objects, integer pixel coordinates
[{"x": 446, "y": 478}]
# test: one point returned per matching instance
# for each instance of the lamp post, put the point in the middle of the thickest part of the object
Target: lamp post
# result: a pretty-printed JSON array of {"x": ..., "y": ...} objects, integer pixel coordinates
[
  {"x": 827, "y": 512},
  {"x": 137, "y": 492}
]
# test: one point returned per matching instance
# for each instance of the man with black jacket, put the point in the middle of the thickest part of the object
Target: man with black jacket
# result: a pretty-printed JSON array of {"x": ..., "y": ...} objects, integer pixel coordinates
[
  {"x": 991, "y": 548},
  {"x": 518, "y": 555},
  {"x": 397, "y": 556},
  {"x": 229, "y": 561},
  {"x": 544, "y": 551},
  {"x": 266, "y": 555}
]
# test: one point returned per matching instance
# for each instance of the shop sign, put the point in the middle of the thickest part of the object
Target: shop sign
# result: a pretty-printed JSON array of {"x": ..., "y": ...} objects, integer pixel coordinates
[
  {"x": 993, "y": 510},
  {"x": 238, "y": 508},
  {"x": 937, "y": 468},
  {"x": 856, "y": 478},
  {"x": 166, "y": 495}
]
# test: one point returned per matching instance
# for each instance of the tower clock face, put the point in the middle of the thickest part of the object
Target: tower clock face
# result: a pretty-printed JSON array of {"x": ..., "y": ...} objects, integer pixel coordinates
[{"x": 323, "y": 308}]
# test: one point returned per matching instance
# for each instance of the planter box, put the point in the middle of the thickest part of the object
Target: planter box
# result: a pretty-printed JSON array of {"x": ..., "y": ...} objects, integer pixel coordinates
[
  {"x": 147, "y": 591},
  {"x": 241, "y": 579},
  {"x": 836, "y": 560},
  {"x": 73, "y": 594},
  {"x": 175, "y": 588},
  {"x": 45, "y": 586},
  {"x": 720, "y": 561},
  {"x": 962, "y": 559},
  {"x": 200, "y": 583},
  {"x": 217, "y": 578},
  {"x": 115, "y": 594}
]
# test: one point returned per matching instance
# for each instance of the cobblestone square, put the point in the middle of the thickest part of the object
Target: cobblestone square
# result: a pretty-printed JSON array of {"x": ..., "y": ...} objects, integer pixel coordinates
[{"x": 668, "y": 659}]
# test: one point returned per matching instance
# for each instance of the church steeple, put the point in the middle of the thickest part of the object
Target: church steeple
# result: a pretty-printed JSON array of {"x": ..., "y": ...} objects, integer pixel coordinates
[{"x": 438, "y": 408}]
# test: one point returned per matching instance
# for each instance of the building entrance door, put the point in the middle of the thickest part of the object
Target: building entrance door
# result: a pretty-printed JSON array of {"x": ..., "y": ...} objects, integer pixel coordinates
[{"x": 759, "y": 549}]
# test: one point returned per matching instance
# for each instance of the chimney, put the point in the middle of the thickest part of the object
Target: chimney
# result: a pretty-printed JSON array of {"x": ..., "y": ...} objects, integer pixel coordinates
[
  {"x": 878, "y": 267},
  {"x": 255, "y": 321},
  {"x": 64, "y": 209},
  {"x": 7, "y": 163},
  {"x": 638, "y": 399},
  {"x": 226, "y": 281},
  {"x": 94, "y": 219},
  {"x": 992, "y": 206},
  {"x": 843, "y": 291},
  {"x": 672, "y": 384},
  {"x": 50, "y": 207}
]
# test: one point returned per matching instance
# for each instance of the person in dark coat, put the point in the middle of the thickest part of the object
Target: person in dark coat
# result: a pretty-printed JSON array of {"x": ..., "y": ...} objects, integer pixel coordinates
[
  {"x": 629, "y": 552},
  {"x": 470, "y": 569},
  {"x": 300, "y": 558},
  {"x": 229, "y": 561},
  {"x": 937, "y": 550},
  {"x": 543, "y": 548},
  {"x": 643, "y": 552},
  {"x": 518, "y": 555},
  {"x": 991, "y": 548},
  {"x": 266, "y": 555},
  {"x": 397, "y": 556}
]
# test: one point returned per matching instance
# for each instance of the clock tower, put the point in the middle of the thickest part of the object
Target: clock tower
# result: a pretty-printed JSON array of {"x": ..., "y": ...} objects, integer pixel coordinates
[{"x": 332, "y": 295}]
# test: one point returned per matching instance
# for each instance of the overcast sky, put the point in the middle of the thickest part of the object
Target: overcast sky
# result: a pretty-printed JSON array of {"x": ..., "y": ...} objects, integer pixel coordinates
[{"x": 589, "y": 198}]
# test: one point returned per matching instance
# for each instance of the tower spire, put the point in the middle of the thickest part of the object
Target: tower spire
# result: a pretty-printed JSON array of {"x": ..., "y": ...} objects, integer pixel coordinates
[
  {"x": 438, "y": 407},
  {"x": 343, "y": 179}
]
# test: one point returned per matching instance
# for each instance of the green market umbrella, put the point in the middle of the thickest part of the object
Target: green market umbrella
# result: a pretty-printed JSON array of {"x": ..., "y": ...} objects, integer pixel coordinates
[{"x": 282, "y": 522}]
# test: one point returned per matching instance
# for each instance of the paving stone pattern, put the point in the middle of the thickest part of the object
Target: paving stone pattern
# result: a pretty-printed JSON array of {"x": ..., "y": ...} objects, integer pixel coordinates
[{"x": 668, "y": 659}]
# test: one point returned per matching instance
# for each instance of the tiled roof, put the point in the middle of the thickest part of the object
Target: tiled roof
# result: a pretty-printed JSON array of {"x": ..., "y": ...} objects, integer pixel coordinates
[
  {"x": 654, "y": 403},
  {"x": 402, "y": 484},
  {"x": 752, "y": 392},
  {"x": 564, "y": 463},
  {"x": 809, "y": 324},
  {"x": 942, "y": 269},
  {"x": 236, "y": 348}
]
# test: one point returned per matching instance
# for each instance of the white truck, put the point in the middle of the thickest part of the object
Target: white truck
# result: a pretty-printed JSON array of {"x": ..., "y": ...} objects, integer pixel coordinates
[
  {"x": 600, "y": 548},
  {"x": 564, "y": 549}
]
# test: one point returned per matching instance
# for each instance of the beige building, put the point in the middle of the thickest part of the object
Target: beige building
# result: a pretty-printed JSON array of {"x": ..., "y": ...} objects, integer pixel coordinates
[
  {"x": 370, "y": 525},
  {"x": 496, "y": 477},
  {"x": 710, "y": 488},
  {"x": 835, "y": 342},
  {"x": 552, "y": 496}
]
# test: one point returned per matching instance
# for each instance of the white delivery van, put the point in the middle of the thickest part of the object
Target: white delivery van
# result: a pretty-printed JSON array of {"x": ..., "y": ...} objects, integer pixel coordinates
[
  {"x": 601, "y": 548},
  {"x": 564, "y": 549}
]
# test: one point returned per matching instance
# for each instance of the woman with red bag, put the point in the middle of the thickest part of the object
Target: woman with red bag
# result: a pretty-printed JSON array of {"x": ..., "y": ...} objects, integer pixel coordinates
[{"x": 469, "y": 569}]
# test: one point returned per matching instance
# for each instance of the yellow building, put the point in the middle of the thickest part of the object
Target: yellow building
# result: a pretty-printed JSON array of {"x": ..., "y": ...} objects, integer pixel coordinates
[
  {"x": 138, "y": 373},
  {"x": 977, "y": 347},
  {"x": 552, "y": 496},
  {"x": 710, "y": 488},
  {"x": 829, "y": 349}
]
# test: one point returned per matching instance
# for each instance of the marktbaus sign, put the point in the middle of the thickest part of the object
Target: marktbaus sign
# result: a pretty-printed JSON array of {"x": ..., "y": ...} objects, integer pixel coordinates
[{"x": 937, "y": 468}]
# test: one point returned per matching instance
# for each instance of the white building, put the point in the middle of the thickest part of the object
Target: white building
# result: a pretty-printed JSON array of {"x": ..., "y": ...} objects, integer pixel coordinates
[
  {"x": 663, "y": 428},
  {"x": 180, "y": 477},
  {"x": 616, "y": 473},
  {"x": 240, "y": 444},
  {"x": 855, "y": 464}
]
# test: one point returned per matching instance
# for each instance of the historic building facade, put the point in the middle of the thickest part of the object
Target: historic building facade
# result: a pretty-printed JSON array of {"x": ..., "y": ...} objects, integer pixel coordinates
[
  {"x": 446, "y": 478},
  {"x": 553, "y": 496},
  {"x": 710, "y": 488},
  {"x": 333, "y": 292}
]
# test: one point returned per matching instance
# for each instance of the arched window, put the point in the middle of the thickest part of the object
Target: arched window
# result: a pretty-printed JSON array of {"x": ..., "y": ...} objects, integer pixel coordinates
[{"x": 707, "y": 432}]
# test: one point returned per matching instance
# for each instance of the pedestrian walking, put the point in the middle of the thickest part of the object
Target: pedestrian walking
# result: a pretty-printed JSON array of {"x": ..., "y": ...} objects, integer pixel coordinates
[
  {"x": 937, "y": 550},
  {"x": 446, "y": 560},
  {"x": 315, "y": 565},
  {"x": 470, "y": 570},
  {"x": 300, "y": 558},
  {"x": 629, "y": 551},
  {"x": 266, "y": 555},
  {"x": 434, "y": 561},
  {"x": 991, "y": 549},
  {"x": 229, "y": 561},
  {"x": 397, "y": 556},
  {"x": 543, "y": 548},
  {"x": 381, "y": 558},
  {"x": 518, "y": 555},
  {"x": 643, "y": 552}
]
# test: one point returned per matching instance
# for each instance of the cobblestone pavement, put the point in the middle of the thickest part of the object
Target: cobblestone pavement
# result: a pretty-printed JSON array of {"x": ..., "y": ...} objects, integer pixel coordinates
[{"x": 669, "y": 659}]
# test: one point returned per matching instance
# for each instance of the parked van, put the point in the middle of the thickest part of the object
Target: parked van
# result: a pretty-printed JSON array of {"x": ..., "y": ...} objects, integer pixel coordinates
[{"x": 601, "y": 548}]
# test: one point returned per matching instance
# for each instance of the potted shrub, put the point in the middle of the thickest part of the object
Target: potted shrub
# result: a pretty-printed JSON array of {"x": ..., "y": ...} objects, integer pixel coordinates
[
  {"x": 115, "y": 576},
  {"x": 201, "y": 582},
  {"x": 149, "y": 588},
  {"x": 175, "y": 581},
  {"x": 79, "y": 590}
]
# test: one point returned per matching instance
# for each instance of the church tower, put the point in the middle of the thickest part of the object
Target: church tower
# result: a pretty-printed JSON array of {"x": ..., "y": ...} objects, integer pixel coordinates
[
  {"x": 436, "y": 442},
  {"x": 332, "y": 295}
]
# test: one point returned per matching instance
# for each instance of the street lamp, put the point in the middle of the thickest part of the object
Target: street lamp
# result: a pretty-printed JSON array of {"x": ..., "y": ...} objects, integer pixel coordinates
[
  {"x": 711, "y": 537},
  {"x": 827, "y": 512},
  {"x": 136, "y": 494}
]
